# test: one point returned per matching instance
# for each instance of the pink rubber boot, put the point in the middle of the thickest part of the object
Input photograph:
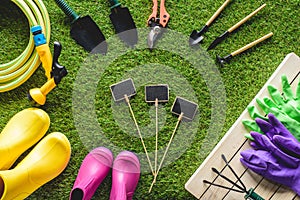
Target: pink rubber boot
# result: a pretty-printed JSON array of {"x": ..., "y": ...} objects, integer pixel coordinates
[
  {"x": 93, "y": 170},
  {"x": 125, "y": 176}
]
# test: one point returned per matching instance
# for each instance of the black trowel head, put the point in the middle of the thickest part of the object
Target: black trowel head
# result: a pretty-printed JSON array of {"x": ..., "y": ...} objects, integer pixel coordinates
[
  {"x": 88, "y": 35},
  {"x": 124, "y": 25}
]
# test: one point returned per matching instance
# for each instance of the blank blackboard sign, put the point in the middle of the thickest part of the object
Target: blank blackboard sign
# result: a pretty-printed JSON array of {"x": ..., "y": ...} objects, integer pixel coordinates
[
  {"x": 159, "y": 92},
  {"x": 184, "y": 106},
  {"x": 119, "y": 90}
]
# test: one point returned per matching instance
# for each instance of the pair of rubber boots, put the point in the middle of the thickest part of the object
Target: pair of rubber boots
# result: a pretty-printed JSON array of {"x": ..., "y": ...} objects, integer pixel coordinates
[
  {"x": 46, "y": 160},
  {"x": 95, "y": 167}
]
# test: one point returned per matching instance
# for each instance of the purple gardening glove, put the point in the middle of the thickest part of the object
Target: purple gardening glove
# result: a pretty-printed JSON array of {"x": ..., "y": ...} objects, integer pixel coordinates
[
  {"x": 274, "y": 130},
  {"x": 277, "y": 154}
]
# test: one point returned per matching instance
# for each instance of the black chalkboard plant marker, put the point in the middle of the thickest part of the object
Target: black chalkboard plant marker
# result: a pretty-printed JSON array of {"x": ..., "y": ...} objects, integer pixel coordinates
[{"x": 156, "y": 94}]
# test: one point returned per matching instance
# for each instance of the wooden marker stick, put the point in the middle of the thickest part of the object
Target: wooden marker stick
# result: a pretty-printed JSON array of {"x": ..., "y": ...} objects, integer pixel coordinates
[
  {"x": 166, "y": 151},
  {"x": 155, "y": 94},
  {"x": 156, "y": 134},
  {"x": 139, "y": 132}
]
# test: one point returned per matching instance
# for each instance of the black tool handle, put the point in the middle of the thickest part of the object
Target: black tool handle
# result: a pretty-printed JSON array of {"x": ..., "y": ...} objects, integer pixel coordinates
[
  {"x": 67, "y": 9},
  {"x": 58, "y": 71}
]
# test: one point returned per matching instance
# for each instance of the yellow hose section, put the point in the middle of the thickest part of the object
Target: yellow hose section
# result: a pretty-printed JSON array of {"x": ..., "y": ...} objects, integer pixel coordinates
[{"x": 17, "y": 71}]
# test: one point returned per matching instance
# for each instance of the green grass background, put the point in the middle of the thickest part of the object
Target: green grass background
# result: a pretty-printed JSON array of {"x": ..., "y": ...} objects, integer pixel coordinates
[{"x": 242, "y": 78}]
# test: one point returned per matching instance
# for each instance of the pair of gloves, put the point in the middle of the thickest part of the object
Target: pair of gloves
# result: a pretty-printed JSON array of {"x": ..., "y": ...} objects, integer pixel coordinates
[{"x": 275, "y": 139}]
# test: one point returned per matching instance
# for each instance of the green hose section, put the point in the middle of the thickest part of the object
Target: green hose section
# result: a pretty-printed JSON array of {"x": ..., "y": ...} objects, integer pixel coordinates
[
  {"x": 19, "y": 70},
  {"x": 67, "y": 10}
]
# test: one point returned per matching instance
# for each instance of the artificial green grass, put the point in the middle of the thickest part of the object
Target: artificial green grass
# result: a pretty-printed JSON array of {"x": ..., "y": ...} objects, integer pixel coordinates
[{"x": 242, "y": 79}]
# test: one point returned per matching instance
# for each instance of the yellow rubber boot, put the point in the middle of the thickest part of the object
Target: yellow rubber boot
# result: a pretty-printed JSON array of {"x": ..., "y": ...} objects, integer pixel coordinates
[
  {"x": 21, "y": 132},
  {"x": 45, "y": 162}
]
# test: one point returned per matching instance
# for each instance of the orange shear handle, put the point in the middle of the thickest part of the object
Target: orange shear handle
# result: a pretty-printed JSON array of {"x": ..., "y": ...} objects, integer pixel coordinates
[
  {"x": 164, "y": 15},
  {"x": 154, "y": 11}
]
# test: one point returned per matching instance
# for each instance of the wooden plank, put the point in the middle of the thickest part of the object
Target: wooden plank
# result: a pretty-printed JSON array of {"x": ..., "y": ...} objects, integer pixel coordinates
[
  {"x": 266, "y": 188},
  {"x": 239, "y": 169},
  {"x": 289, "y": 66},
  {"x": 283, "y": 193},
  {"x": 296, "y": 197}
]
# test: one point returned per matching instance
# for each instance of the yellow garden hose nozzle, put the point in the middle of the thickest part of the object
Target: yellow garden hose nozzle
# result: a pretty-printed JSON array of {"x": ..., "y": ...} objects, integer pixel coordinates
[
  {"x": 38, "y": 95},
  {"x": 42, "y": 49}
]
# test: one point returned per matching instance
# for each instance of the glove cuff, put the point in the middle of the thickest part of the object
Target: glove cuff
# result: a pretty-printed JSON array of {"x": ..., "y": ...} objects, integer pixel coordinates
[{"x": 296, "y": 189}]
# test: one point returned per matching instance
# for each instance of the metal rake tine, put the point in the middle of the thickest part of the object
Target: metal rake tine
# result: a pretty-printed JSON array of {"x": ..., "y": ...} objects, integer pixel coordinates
[
  {"x": 231, "y": 169},
  {"x": 227, "y": 179},
  {"x": 222, "y": 186}
]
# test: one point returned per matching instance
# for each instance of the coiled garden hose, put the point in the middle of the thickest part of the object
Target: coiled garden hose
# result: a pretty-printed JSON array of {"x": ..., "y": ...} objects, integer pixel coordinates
[{"x": 17, "y": 71}]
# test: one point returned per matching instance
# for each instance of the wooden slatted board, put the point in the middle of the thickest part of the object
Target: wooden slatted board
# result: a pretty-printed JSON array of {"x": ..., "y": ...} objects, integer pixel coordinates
[{"x": 233, "y": 143}]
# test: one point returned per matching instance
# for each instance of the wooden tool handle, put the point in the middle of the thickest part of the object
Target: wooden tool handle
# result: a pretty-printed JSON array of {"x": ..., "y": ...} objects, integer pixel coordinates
[
  {"x": 164, "y": 15},
  {"x": 246, "y": 19},
  {"x": 217, "y": 13},
  {"x": 251, "y": 44}
]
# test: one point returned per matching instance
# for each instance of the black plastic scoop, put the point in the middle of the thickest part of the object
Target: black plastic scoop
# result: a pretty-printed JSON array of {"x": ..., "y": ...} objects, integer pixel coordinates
[
  {"x": 123, "y": 23},
  {"x": 84, "y": 30}
]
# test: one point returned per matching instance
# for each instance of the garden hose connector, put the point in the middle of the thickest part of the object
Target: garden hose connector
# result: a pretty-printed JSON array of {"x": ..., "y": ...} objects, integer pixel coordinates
[
  {"x": 42, "y": 49},
  {"x": 38, "y": 95}
]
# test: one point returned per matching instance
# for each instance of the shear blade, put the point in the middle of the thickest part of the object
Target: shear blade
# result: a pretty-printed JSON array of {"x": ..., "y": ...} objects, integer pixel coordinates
[{"x": 153, "y": 36}]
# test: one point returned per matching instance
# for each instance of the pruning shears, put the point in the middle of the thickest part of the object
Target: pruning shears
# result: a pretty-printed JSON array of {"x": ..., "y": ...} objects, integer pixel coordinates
[{"x": 157, "y": 24}]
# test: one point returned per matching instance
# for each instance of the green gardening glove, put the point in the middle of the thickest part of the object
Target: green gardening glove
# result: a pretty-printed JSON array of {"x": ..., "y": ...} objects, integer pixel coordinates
[
  {"x": 285, "y": 107},
  {"x": 286, "y": 102}
]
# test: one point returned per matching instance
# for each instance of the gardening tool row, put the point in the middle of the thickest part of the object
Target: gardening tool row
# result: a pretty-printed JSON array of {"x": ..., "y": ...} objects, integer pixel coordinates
[
  {"x": 86, "y": 32},
  {"x": 197, "y": 36}
]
